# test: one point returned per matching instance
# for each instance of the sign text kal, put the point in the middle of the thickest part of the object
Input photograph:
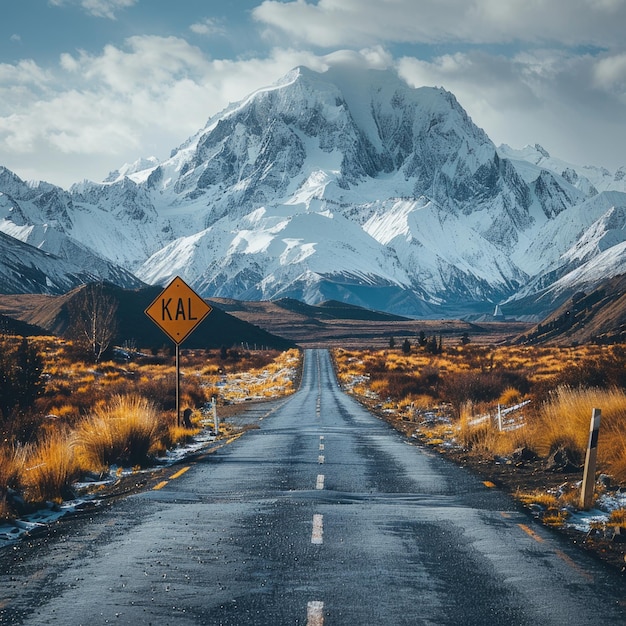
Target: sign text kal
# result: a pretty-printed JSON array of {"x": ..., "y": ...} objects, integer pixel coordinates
[{"x": 177, "y": 310}]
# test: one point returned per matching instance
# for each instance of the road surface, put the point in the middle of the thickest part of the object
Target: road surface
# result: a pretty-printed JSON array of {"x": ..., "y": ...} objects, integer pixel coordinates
[{"x": 324, "y": 515}]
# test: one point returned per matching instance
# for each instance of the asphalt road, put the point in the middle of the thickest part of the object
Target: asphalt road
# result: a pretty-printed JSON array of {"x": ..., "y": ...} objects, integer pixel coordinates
[{"x": 325, "y": 515}]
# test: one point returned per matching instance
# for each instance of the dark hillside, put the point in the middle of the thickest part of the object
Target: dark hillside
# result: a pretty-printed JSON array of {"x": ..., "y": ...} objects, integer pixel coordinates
[
  {"x": 10, "y": 326},
  {"x": 218, "y": 329},
  {"x": 595, "y": 317}
]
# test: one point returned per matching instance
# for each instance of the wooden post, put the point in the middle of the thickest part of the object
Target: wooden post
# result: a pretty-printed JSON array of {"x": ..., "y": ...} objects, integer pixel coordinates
[{"x": 589, "y": 474}]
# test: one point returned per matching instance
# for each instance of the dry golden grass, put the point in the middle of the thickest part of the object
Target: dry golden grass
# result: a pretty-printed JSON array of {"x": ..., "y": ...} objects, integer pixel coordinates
[
  {"x": 510, "y": 396},
  {"x": 271, "y": 379},
  {"x": 123, "y": 432},
  {"x": 50, "y": 468},
  {"x": 565, "y": 420},
  {"x": 541, "y": 498},
  {"x": 618, "y": 517},
  {"x": 552, "y": 378},
  {"x": 93, "y": 416},
  {"x": 12, "y": 463}
]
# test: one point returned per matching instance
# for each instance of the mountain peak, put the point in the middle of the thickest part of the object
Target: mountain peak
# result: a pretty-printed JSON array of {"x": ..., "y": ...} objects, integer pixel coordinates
[{"x": 347, "y": 185}]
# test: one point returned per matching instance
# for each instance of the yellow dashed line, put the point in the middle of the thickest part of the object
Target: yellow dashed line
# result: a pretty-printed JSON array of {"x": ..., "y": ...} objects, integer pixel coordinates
[
  {"x": 160, "y": 485},
  {"x": 179, "y": 473},
  {"x": 573, "y": 565},
  {"x": 531, "y": 533}
]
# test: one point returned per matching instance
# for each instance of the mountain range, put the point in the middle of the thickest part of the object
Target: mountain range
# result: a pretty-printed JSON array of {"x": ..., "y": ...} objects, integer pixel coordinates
[{"x": 346, "y": 185}]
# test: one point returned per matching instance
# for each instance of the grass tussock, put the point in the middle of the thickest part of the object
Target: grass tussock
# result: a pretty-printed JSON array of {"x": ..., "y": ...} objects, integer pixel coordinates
[
  {"x": 50, "y": 468},
  {"x": 172, "y": 436},
  {"x": 564, "y": 420},
  {"x": 618, "y": 518},
  {"x": 122, "y": 432}
]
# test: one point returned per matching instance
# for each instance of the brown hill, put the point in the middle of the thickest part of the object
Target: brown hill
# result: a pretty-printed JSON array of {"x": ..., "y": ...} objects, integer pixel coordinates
[
  {"x": 595, "y": 317},
  {"x": 335, "y": 324},
  {"x": 51, "y": 313},
  {"x": 278, "y": 324}
]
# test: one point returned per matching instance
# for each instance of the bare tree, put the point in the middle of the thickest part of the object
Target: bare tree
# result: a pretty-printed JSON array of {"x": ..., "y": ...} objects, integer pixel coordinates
[{"x": 92, "y": 317}]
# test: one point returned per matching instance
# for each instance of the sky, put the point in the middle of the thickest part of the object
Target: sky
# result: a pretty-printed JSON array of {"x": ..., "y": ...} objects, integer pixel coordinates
[{"x": 89, "y": 85}]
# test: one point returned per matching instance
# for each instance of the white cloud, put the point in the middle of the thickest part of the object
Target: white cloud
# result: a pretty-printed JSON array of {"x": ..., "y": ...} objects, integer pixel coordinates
[
  {"x": 97, "y": 8},
  {"x": 208, "y": 26},
  {"x": 610, "y": 73},
  {"x": 549, "y": 97},
  {"x": 25, "y": 72},
  {"x": 354, "y": 22},
  {"x": 92, "y": 113}
]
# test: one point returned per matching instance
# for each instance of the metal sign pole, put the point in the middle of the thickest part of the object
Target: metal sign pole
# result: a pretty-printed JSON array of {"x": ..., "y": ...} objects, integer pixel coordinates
[
  {"x": 177, "y": 386},
  {"x": 177, "y": 310}
]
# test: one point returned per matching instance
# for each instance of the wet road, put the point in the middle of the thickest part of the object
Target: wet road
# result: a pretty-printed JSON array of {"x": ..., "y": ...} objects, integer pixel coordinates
[{"x": 324, "y": 515}]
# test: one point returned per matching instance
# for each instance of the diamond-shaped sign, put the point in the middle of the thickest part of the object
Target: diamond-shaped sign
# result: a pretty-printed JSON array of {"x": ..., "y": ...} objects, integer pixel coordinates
[{"x": 178, "y": 310}]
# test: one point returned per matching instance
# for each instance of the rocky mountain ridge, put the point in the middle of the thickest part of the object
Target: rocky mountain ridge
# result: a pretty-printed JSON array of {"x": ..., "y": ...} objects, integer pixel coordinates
[{"x": 347, "y": 185}]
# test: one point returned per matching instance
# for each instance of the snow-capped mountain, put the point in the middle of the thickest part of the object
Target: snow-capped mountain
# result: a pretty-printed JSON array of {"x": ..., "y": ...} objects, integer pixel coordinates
[
  {"x": 346, "y": 185},
  {"x": 38, "y": 256}
]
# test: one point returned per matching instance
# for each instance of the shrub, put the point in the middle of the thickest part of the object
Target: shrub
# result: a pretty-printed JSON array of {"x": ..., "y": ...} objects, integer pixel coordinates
[
  {"x": 21, "y": 369},
  {"x": 50, "y": 468},
  {"x": 120, "y": 432},
  {"x": 564, "y": 420},
  {"x": 480, "y": 386}
]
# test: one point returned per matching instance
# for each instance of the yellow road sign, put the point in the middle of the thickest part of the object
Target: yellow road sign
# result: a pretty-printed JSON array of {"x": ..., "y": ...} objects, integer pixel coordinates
[{"x": 178, "y": 310}]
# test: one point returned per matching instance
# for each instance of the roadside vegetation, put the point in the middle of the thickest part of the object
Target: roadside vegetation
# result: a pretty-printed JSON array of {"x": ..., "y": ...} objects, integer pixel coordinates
[
  {"x": 502, "y": 405},
  {"x": 65, "y": 414}
]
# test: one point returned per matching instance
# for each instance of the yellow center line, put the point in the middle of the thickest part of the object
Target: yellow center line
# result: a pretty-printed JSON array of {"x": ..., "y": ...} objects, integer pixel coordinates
[
  {"x": 179, "y": 473},
  {"x": 531, "y": 533},
  {"x": 574, "y": 565},
  {"x": 160, "y": 485},
  {"x": 559, "y": 553}
]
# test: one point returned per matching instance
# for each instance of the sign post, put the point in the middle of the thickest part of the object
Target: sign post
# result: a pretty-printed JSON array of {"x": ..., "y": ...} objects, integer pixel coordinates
[{"x": 177, "y": 311}]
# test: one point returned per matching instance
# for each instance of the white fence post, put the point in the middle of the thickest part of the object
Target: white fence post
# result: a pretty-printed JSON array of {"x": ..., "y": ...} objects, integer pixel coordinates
[{"x": 216, "y": 419}]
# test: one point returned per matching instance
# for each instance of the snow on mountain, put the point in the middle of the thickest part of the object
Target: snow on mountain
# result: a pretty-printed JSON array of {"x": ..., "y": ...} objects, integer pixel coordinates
[
  {"x": 580, "y": 242},
  {"x": 588, "y": 178},
  {"x": 584, "y": 278},
  {"x": 346, "y": 185},
  {"x": 26, "y": 269},
  {"x": 342, "y": 146},
  {"x": 41, "y": 216}
]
